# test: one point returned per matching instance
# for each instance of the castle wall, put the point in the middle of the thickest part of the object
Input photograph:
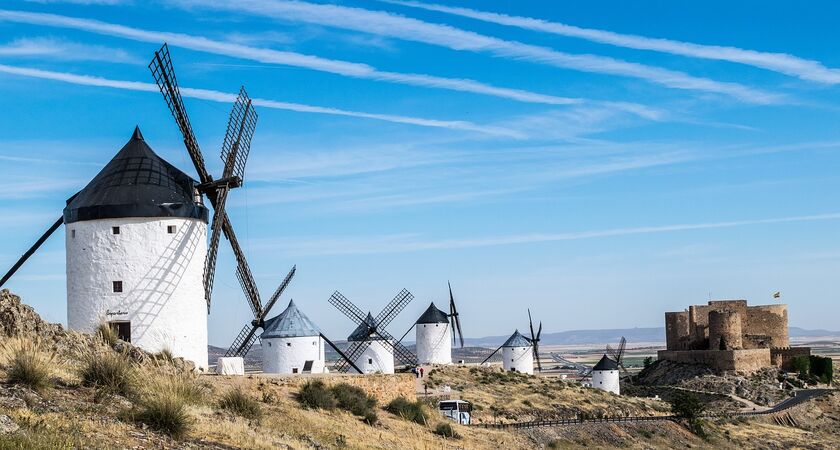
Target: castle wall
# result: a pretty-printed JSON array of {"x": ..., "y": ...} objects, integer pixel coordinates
[
  {"x": 721, "y": 360},
  {"x": 783, "y": 357}
]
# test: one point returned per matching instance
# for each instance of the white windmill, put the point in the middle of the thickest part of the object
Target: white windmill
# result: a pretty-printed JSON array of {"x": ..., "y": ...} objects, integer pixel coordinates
[
  {"x": 136, "y": 236},
  {"x": 520, "y": 352},
  {"x": 292, "y": 344},
  {"x": 433, "y": 329},
  {"x": 372, "y": 349}
]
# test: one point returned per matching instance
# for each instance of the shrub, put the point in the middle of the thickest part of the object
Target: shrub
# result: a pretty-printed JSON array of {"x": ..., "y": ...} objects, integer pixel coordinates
[
  {"x": 687, "y": 405},
  {"x": 241, "y": 404},
  {"x": 408, "y": 410},
  {"x": 166, "y": 413},
  {"x": 446, "y": 430},
  {"x": 28, "y": 363},
  {"x": 353, "y": 399},
  {"x": 165, "y": 355},
  {"x": 801, "y": 365},
  {"x": 109, "y": 371},
  {"x": 316, "y": 395},
  {"x": 183, "y": 386},
  {"x": 647, "y": 361},
  {"x": 370, "y": 417},
  {"x": 822, "y": 368},
  {"x": 106, "y": 334}
]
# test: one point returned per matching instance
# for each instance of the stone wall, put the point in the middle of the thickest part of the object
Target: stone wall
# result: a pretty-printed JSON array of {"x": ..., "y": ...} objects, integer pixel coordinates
[
  {"x": 767, "y": 326},
  {"x": 783, "y": 357},
  {"x": 676, "y": 330},
  {"x": 725, "y": 330},
  {"x": 383, "y": 387},
  {"x": 721, "y": 360}
]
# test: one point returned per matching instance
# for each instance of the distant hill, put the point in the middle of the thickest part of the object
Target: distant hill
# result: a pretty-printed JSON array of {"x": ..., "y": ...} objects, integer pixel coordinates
[{"x": 571, "y": 337}]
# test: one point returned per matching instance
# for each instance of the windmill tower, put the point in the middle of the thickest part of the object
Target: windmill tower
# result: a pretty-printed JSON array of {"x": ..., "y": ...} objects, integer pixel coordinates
[
  {"x": 137, "y": 255},
  {"x": 605, "y": 375},
  {"x": 292, "y": 344},
  {"x": 371, "y": 348},
  {"x": 136, "y": 245},
  {"x": 433, "y": 330},
  {"x": 520, "y": 352}
]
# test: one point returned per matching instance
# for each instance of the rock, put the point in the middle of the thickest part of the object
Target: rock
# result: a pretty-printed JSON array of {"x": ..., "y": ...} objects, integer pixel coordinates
[{"x": 7, "y": 425}]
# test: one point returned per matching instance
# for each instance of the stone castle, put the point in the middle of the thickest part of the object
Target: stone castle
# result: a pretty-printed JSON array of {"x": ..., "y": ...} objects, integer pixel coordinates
[{"x": 728, "y": 335}]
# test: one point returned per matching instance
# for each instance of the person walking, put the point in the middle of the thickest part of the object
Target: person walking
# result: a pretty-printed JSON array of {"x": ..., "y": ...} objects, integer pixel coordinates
[{"x": 421, "y": 372}]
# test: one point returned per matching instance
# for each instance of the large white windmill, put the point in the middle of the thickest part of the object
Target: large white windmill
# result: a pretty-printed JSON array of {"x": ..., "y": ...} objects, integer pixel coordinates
[
  {"x": 136, "y": 236},
  {"x": 433, "y": 330}
]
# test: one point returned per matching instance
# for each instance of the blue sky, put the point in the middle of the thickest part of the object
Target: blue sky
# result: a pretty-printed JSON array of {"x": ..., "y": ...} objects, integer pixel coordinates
[{"x": 598, "y": 162}]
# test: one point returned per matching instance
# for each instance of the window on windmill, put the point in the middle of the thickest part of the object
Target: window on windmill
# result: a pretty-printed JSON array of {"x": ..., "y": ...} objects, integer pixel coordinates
[
  {"x": 370, "y": 360},
  {"x": 118, "y": 287},
  {"x": 170, "y": 229},
  {"x": 288, "y": 344},
  {"x": 115, "y": 230},
  {"x": 72, "y": 234}
]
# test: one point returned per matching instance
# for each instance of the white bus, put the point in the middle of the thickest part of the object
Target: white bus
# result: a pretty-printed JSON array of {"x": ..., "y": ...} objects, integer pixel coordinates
[{"x": 457, "y": 410}]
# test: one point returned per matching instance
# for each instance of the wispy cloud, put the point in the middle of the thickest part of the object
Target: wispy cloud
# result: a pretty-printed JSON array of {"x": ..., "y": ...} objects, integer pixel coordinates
[
  {"x": 85, "y": 2},
  {"x": 399, "y": 243},
  {"x": 224, "y": 97},
  {"x": 60, "y": 49},
  {"x": 270, "y": 56},
  {"x": 778, "y": 62},
  {"x": 401, "y": 27}
]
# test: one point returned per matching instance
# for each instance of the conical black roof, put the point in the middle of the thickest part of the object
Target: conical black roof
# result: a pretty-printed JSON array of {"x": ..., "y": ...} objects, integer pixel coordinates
[
  {"x": 136, "y": 183},
  {"x": 433, "y": 315},
  {"x": 606, "y": 364},
  {"x": 361, "y": 333}
]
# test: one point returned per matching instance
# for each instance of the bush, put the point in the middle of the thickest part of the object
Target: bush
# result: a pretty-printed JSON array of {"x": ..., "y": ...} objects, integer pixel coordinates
[
  {"x": 353, "y": 399},
  {"x": 687, "y": 405},
  {"x": 647, "y": 361},
  {"x": 28, "y": 363},
  {"x": 408, "y": 410},
  {"x": 801, "y": 365},
  {"x": 109, "y": 371},
  {"x": 316, "y": 395},
  {"x": 183, "y": 386},
  {"x": 822, "y": 368},
  {"x": 446, "y": 430},
  {"x": 165, "y": 355},
  {"x": 241, "y": 404},
  {"x": 166, "y": 413}
]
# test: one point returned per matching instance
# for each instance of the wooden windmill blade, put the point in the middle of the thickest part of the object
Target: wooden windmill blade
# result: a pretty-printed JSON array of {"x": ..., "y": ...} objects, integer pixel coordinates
[
  {"x": 213, "y": 249},
  {"x": 454, "y": 317},
  {"x": 393, "y": 308},
  {"x": 164, "y": 74},
  {"x": 240, "y": 131},
  {"x": 491, "y": 354},
  {"x": 344, "y": 358},
  {"x": 278, "y": 292},
  {"x": 248, "y": 335},
  {"x": 355, "y": 349},
  {"x": 347, "y": 307},
  {"x": 31, "y": 250},
  {"x": 400, "y": 352}
]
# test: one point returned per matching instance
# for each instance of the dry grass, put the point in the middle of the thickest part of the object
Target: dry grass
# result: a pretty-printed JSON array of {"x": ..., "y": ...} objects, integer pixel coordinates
[
  {"x": 108, "y": 371},
  {"x": 107, "y": 334},
  {"x": 241, "y": 404},
  {"x": 28, "y": 363}
]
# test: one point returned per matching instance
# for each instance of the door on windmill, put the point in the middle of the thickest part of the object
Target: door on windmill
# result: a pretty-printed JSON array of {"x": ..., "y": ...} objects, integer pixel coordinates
[
  {"x": 307, "y": 366},
  {"x": 122, "y": 329}
]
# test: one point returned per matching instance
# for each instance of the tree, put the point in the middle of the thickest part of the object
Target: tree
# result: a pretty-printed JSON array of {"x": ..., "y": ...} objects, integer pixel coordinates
[
  {"x": 648, "y": 361},
  {"x": 688, "y": 406}
]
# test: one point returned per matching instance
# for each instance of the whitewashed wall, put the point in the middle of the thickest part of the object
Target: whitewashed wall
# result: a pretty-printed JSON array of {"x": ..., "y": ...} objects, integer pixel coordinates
[
  {"x": 377, "y": 357},
  {"x": 281, "y": 355},
  {"x": 519, "y": 358},
  {"x": 434, "y": 343},
  {"x": 606, "y": 380},
  {"x": 162, "y": 275}
]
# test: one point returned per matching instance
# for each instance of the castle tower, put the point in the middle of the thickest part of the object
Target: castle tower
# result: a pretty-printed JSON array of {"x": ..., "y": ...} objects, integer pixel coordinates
[
  {"x": 378, "y": 357},
  {"x": 605, "y": 376},
  {"x": 517, "y": 354},
  {"x": 725, "y": 332},
  {"x": 291, "y": 344},
  {"x": 433, "y": 337},
  {"x": 136, "y": 241}
]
